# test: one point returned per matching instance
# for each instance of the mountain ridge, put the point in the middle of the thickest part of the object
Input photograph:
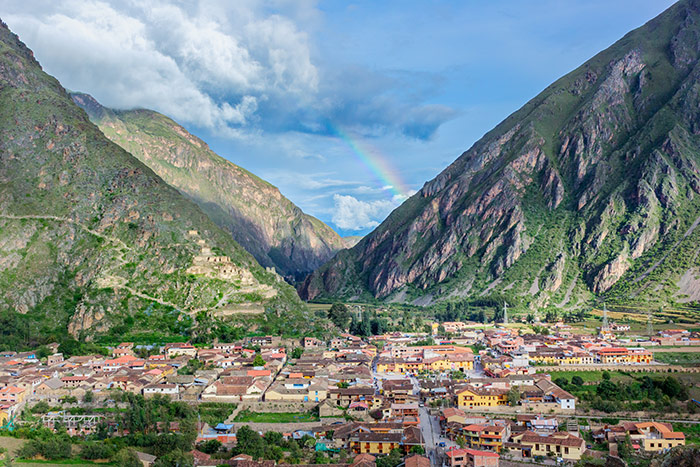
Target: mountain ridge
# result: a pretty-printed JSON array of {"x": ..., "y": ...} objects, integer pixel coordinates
[
  {"x": 561, "y": 202},
  {"x": 274, "y": 230},
  {"x": 92, "y": 241}
]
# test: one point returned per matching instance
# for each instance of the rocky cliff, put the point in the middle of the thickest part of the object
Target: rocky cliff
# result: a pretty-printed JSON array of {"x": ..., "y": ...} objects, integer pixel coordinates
[
  {"x": 592, "y": 188},
  {"x": 263, "y": 221},
  {"x": 91, "y": 239}
]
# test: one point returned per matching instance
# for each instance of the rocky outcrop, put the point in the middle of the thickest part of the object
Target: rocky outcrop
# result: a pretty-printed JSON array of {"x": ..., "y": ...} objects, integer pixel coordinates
[
  {"x": 275, "y": 231},
  {"x": 587, "y": 183}
]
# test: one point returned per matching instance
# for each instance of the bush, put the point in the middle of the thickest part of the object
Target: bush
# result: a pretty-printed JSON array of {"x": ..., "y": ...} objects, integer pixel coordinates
[
  {"x": 97, "y": 451},
  {"x": 54, "y": 448},
  {"x": 40, "y": 407},
  {"x": 210, "y": 447}
]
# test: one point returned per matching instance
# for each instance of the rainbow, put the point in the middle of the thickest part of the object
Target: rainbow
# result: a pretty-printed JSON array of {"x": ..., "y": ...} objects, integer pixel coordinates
[{"x": 377, "y": 164}]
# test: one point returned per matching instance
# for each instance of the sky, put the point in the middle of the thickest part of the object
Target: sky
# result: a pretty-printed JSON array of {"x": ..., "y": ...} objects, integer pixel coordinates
[{"x": 347, "y": 107}]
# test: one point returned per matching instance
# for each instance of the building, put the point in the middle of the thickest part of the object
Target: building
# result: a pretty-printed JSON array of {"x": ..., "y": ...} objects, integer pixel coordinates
[
  {"x": 469, "y": 397},
  {"x": 472, "y": 458},
  {"x": 560, "y": 444},
  {"x": 488, "y": 437}
]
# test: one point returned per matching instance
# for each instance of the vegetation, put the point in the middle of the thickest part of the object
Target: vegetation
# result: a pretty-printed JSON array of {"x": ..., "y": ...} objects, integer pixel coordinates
[{"x": 278, "y": 417}]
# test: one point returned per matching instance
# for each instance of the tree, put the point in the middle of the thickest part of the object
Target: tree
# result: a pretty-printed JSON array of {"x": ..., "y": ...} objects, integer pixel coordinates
[
  {"x": 175, "y": 458},
  {"x": 624, "y": 448},
  {"x": 561, "y": 382},
  {"x": 513, "y": 396},
  {"x": 392, "y": 460},
  {"x": 607, "y": 390},
  {"x": 249, "y": 442},
  {"x": 577, "y": 381},
  {"x": 339, "y": 315},
  {"x": 88, "y": 397},
  {"x": 258, "y": 360},
  {"x": 606, "y": 375},
  {"x": 210, "y": 447},
  {"x": 127, "y": 458},
  {"x": 297, "y": 352}
]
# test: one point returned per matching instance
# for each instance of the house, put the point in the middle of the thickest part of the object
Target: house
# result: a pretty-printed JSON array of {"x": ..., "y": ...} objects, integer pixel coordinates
[
  {"x": 12, "y": 395},
  {"x": 560, "y": 444},
  {"x": 469, "y": 397},
  {"x": 653, "y": 436},
  {"x": 49, "y": 387},
  {"x": 417, "y": 461},
  {"x": 490, "y": 437},
  {"x": 54, "y": 359},
  {"x": 171, "y": 390},
  {"x": 472, "y": 458},
  {"x": 298, "y": 389},
  {"x": 345, "y": 396},
  {"x": 179, "y": 348}
]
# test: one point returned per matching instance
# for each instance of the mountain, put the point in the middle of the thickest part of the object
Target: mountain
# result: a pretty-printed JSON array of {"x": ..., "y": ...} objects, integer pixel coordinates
[
  {"x": 263, "y": 221},
  {"x": 590, "y": 189},
  {"x": 92, "y": 241}
]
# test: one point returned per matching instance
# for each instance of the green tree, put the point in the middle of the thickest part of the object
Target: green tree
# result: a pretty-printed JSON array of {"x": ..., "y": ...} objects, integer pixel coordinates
[
  {"x": 258, "y": 360},
  {"x": 624, "y": 447},
  {"x": 561, "y": 382},
  {"x": 249, "y": 442},
  {"x": 577, "y": 381},
  {"x": 339, "y": 315},
  {"x": 513, "y": 396},
  {"x": 394, "y": 459},
  {"x": 606, "y": 375},
  {"x": 210, "y": 447},
  {"x": 88, "y": 397},
  {"x": 297, "y": 352},
  {"x": 175, "y": 458},
  {"x": 127, "y": 458}
]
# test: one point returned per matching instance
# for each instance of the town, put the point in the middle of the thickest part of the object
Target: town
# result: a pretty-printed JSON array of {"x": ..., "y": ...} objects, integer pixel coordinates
[{"x": 459, "y": 394}]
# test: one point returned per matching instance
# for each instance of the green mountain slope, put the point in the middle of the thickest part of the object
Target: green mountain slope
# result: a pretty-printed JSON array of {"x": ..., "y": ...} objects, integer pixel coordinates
[
  {"x": 91, "y": 240},
  {"x": 592, "y": 188},
  {"x": 263, "y": 221}
]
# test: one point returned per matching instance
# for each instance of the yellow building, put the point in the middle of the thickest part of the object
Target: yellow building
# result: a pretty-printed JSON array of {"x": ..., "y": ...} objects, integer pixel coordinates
[
  {"x": 657, "y": 436},
  {"x": 376, "y": 443},
  {"x": 470, "y": 397}
]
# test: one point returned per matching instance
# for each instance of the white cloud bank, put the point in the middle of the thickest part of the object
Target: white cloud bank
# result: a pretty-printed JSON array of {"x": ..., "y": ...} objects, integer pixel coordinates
[
  {"x": 207, "y": 63},
  {"x": 351, "y": 213}
]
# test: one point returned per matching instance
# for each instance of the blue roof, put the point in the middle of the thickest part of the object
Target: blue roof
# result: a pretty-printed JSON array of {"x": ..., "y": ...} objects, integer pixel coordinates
[{"x": 223, "y": 426}]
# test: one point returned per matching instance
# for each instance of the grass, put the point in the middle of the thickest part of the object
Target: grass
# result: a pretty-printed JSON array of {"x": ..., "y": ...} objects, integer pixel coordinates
[
  {"x": 681, "y": 358},
  {"x": 214, "y": 413},
  {"x": 267, "y": 417},
  {"x": 590, "y": 376}
]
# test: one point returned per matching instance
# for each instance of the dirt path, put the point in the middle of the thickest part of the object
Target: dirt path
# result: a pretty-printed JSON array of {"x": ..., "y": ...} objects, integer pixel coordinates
[{"x": 108, "y": 279}]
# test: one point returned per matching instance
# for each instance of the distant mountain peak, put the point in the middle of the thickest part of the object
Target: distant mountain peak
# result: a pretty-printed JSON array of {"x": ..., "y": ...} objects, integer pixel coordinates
[{"x": 275, "y": 231}]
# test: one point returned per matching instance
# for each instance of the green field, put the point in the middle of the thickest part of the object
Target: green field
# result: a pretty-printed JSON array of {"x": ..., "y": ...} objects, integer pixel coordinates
[
  {"x": 590, "y": 376},
  {"x": 267, "y": 417},
  {"x": 678, "y": 358}
]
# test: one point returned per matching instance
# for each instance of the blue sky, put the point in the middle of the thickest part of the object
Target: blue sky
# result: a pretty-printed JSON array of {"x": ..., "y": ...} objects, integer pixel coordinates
[{"x": 347, "y": 107}]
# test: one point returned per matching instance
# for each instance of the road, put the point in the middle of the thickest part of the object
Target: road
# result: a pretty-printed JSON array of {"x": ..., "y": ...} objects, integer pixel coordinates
[{"x": 429, "y": 425}]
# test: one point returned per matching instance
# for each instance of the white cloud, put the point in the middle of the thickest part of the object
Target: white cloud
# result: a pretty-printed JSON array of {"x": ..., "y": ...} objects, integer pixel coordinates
[
  {"x": 353, "y": 214},
  {"x": 207, "y": 63}
]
